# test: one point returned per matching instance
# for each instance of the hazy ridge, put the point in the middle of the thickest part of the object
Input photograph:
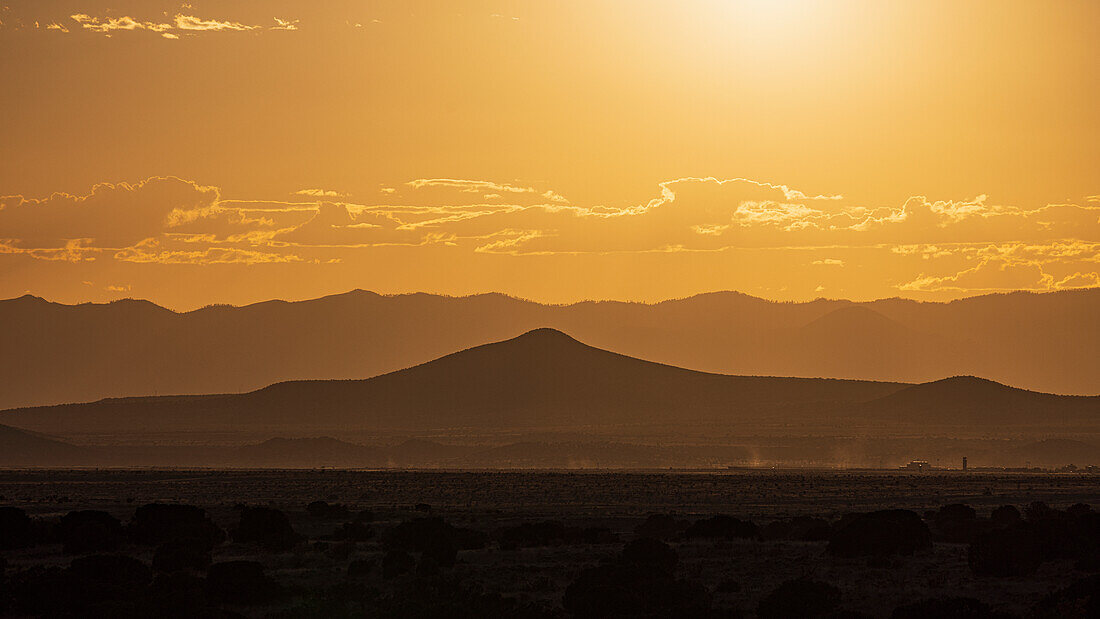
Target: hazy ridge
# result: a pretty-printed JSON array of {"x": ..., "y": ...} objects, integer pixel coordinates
[
  {"x": 60, "y": 353},
  {"x": 545, "y": 382}
]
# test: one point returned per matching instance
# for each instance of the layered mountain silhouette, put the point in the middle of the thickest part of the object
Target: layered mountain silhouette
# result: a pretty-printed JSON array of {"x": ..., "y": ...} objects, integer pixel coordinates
[
  {"x": 972, "y": 401},
  {"x": 58, "y": 353},
  {"x": 544, "y": 380},
  {"x": 22, "y": 448}
]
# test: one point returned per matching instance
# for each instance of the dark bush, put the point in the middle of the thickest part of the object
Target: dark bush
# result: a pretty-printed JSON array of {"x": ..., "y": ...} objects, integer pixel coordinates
[
  {"x": 340, "y": 550},
  {"x": 880, "y": 533},
  {"x": 92, "y": 586},
  {"x": 16, "y": 529},
  {"x": 432, "y": 537},
  {"x": 1005, "y": 516},
  {"x": 640, "y": 582},
  {"x": 956, "y": 511},
  {"x": 427, "y": 568},
  {"x": 353, "y": 532},
  {"x": 799, "y": 598},
  {"x": 776, "y": 530},
  {"x": 810, "y": 529},
  {"x": 802, "y": 528},
  {"x": 41, "y": 591},
  {"x": 552, "y": 533},
  {"x": 178, "y": 595},
  {"x": 396, "y": 563},
  {"x": 1038, "y": 511},
  {"x": 266, "y": 527},
  {"x": 647, "y": 551},
  {"x": 327, "y": 511},
  {"x": 240, "y": 582},
  {"x": 440, "y": 597},
  {"x": 721, "y": 526},
  {"x": 728, "y": 585},
  {"x": 633, "y": 590},
  {"x": 1080, "y": 600},
  {"x": 535, "y": 534},
  {"x": 1059, "y": 536},
  {"x": 598, "y": 535},
  {"x": 1079, "y": 509},
  {"x": 179, "y": 556},
  {"x": 107, "y": 585},
  {"x": 1005, "y": 552},
  {"x": 89, "y": 531},
  {"x": 1087, "y": 529},
  {"x": 158, "y": 523},
  {"x": 360, "y": 568},
  {"x": 945, "y": 608},
  {"x": 956, "y": 524},
  {"x": 661, "y": 526}
]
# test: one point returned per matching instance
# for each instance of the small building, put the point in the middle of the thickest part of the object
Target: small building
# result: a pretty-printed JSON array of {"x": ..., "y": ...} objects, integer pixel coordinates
[{"x": 917, "y": 465}]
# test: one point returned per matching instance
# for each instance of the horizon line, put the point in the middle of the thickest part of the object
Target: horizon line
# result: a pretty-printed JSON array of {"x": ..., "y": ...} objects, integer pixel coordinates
[{"x": 216, "y": 305}]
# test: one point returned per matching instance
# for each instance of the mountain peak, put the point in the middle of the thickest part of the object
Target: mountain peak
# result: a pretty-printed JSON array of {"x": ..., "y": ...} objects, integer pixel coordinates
[
  {"x": 27, "y": 299},
  {"x": 967, "y": 380},
  {"x": 545, "y": 333}
]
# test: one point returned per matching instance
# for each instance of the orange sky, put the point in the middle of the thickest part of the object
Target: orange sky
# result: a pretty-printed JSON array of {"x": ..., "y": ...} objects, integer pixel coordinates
[{"x": 235, "y": 151}]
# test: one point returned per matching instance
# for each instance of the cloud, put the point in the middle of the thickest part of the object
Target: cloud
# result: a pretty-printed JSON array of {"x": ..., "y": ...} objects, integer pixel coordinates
[
  {"x": 74, "y": 251},
  {"x": 109, "y": 24},
  {"x": 1079, "y": 280},
  {"x": 320, "y": 193},
  {"x": 179, "y": 24},
  {"x": 192, "y": 23},
  {"x": 931, "y": 246},
  {"x": 487, "y": 188},
  {"x": 111, "y": 215},
  {"x": 991, "y": 275},
  {"x": 153, "y": 251},
  {"x": 285, "y": 24}
]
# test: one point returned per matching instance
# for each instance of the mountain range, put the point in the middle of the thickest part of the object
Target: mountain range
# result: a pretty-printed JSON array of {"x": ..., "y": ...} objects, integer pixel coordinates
[
  {"x": 546, "y": 381},
  {"x": 58, "y": 353}
]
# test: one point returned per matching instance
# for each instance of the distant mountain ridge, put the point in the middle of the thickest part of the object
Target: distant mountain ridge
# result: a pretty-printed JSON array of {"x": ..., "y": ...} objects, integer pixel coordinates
[
  {"x": 546, "y": 381},
  {"x": 71, "y": 353},
  {"x": 971, "y": 401}
]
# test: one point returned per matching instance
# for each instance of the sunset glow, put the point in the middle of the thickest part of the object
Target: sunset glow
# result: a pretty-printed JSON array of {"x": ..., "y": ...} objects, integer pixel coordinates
[{"x": 239, "y": 151}]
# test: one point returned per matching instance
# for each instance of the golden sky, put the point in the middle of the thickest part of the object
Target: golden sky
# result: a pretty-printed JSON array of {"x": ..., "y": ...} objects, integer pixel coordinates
[{"x": 236, "y": 151}]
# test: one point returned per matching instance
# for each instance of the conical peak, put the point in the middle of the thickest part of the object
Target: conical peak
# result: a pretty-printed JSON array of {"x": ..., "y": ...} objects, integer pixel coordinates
[{"x": 544, "y": 334}]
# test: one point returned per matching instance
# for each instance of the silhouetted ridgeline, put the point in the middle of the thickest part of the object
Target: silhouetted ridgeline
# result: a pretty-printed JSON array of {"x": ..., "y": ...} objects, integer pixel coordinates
[
  {"x": 542, "y": 379},
  {"x": 57, "y": 353},
  {"x": 546, "y": 381}
]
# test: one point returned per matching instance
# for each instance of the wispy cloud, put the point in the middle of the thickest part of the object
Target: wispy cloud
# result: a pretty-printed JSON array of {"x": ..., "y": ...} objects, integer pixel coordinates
[
  {"x": 490, "y": 188},
  {"x": 320, "y": 193},
  {"x": 932, "y": 246},
  {"x": 179, "y": 25}
]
